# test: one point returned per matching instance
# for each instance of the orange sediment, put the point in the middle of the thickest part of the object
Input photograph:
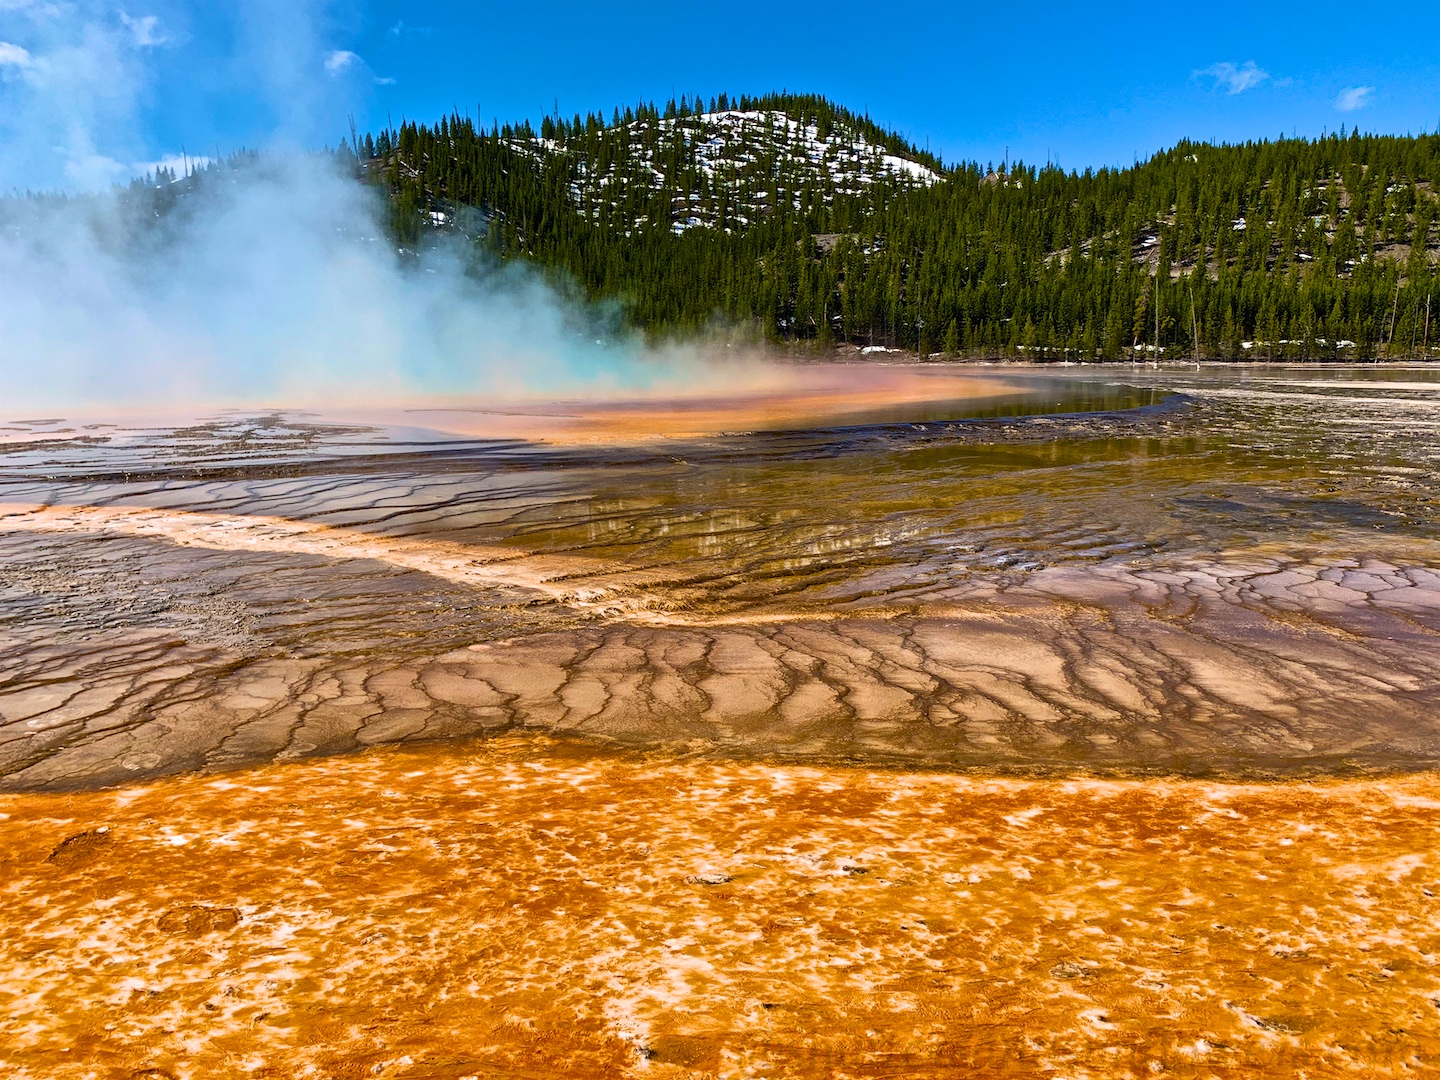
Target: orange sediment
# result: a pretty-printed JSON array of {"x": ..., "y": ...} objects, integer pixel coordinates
[
  {"x": 515, "y": 908},
  {"x": 755, "y": 398}
]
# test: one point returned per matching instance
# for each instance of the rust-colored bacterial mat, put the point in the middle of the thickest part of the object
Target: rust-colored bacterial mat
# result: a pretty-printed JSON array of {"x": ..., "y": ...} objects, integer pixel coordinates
[{"x": 521, "y": 908}]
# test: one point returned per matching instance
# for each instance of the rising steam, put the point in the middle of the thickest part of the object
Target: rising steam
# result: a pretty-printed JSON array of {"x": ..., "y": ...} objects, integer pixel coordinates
[
  {"x": 280, "y": 286},
  {"x": 274, "y": 283}
]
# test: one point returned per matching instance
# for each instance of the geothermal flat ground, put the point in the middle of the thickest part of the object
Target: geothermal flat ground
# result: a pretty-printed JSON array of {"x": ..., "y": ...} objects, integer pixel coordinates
[
  {"x": 877, "y": 722},
  {"x": 518, "y": 909}
]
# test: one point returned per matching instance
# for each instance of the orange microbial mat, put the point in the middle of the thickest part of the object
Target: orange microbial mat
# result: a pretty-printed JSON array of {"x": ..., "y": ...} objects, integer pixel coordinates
[{"x": 536, "y": 908}]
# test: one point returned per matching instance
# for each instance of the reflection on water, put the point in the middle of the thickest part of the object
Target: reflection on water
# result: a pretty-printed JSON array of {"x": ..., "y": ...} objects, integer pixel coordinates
[
  {"x": 1041, "y": 397},
  {"x": 1150, "y": 536}
]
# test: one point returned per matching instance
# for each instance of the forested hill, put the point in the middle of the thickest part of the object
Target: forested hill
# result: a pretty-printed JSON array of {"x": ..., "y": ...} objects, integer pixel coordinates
[{"x": 790, "y": 217}]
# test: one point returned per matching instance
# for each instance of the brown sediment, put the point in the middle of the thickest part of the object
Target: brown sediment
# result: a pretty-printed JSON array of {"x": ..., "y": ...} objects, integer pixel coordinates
[{"x": 521, "y": 909}]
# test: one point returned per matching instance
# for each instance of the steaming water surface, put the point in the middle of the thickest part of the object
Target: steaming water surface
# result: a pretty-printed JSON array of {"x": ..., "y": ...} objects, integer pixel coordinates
[{"x": 1221, "y": 571}]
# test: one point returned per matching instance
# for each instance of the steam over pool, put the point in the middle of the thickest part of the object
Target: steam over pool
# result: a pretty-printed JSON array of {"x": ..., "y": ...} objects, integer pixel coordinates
[{"x": 275, "y": 282}]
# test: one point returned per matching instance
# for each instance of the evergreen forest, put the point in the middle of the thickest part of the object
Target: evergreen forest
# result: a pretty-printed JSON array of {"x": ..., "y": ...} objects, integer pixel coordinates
[{"x": 765, "y": 216}]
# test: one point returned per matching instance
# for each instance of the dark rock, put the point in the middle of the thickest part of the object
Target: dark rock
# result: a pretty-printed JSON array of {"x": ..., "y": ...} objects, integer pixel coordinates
[
  {"x": 80, "y": 848},
  {"x": 688, "y": 1051},
  {"x": 194, "y": 919},
  {"x": 709, "y": 878}
]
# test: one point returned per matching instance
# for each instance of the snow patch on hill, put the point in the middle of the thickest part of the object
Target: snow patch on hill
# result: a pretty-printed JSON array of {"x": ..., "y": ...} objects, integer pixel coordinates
[{"x": 722, "y": 170}]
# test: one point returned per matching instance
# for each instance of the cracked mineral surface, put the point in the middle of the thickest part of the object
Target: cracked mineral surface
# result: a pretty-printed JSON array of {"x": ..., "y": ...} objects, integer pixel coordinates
[{"x": 1223, "y": 573}]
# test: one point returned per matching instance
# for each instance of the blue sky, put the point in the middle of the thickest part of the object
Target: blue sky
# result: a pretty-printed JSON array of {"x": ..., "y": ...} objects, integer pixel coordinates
[{"x": 91, "y": 89}]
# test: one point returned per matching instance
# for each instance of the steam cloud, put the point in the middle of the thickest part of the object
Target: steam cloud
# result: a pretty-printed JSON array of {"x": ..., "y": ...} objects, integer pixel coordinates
[
  {"x": 280, "y": 287},
  {"x": 276, "y": 284}
]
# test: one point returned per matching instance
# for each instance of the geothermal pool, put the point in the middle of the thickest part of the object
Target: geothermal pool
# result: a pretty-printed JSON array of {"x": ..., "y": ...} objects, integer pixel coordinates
[{"x": 872, "y": 723}]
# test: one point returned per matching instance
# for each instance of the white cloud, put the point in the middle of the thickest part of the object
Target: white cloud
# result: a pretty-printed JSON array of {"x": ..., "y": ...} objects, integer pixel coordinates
[
  {"x": 78, "y": 81},
  {"x": 145, "y": 30},
  {"x": 69, "y": 95},
  {"x": 1235, "y": 79},
  {"x": 179, "y": 164},
  {"x": 341, "y": 60},
  {"x": 1354, "y": 97},
  {"x": 90, "y": 171},
  {"x": 13, "y": 55}
]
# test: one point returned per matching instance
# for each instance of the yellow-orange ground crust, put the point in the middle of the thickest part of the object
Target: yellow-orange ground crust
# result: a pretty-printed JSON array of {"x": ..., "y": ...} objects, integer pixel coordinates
[{"x": 529, "y": 909}]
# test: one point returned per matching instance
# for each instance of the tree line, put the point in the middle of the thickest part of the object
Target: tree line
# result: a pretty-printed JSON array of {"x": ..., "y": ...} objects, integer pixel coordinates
[{"x": 1278, "y": 249}]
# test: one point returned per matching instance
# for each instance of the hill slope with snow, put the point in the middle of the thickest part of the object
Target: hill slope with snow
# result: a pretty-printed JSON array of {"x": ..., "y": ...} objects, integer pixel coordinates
[{"x": 728, "y": 168}]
